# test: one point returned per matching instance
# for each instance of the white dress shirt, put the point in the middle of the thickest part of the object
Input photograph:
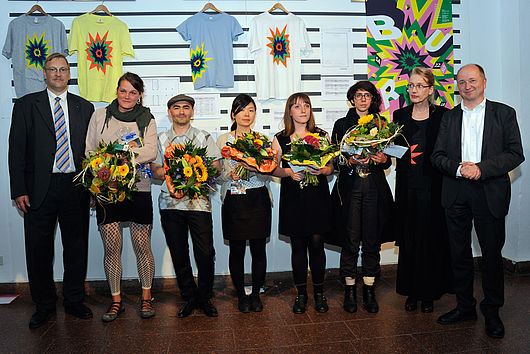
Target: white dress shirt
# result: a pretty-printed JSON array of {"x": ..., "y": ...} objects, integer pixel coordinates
[
  {"x": 472, "y": 132},
  {"x": 64, "y": 106}
]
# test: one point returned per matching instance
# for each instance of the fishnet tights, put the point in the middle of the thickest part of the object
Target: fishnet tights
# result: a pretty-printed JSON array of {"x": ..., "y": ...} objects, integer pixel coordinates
[{"x": 112, "y": 237}]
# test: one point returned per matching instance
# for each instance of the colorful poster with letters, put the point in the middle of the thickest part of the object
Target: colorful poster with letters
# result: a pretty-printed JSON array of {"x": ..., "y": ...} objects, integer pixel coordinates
[{"x": 403, "y": 34}]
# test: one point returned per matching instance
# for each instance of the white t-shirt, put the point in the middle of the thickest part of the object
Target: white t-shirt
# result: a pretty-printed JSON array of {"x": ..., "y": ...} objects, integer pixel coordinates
[{"x": 277, "y": 43}]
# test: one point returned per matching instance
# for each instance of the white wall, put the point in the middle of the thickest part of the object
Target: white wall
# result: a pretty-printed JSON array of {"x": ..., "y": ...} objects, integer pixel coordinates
[
  {"x": 503, "y": 85},
  {"x": 493, "y": 35}
]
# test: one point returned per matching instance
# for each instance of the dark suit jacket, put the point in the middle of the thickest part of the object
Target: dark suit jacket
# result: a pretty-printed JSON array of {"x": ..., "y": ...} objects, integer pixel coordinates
[
  {"x": 32, "y": 143},
  {"x": 502, "y": 151}
]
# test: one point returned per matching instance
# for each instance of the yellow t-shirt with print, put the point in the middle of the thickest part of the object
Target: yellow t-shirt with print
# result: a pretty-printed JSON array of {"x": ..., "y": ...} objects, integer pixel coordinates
[{"x": 100, "y": 42}]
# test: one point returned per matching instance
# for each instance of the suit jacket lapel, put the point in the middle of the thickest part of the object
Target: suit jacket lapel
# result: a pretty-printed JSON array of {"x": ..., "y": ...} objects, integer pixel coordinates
[
  {"x": 43, "y": 105},
  {"x": 457, "y": 132},
  {"x": 488, "y": 122}
]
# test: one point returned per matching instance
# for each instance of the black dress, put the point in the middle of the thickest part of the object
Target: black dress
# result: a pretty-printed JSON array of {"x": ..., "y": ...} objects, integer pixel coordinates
[
  {"x": 303, "y": 212},
  {"x": 424, "y": 270}
]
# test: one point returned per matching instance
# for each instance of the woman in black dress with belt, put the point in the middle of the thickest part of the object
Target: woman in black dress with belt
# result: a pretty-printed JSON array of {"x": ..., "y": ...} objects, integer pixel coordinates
[
  {"x": 424, "y": 272},
  {"x": 362, "y": 205},
  {"x": 305, "y": 214}
]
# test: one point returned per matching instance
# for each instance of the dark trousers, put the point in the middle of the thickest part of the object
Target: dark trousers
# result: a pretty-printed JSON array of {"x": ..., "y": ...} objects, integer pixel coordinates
[
  {"x": 361, "y": 226},
  {"x": 471, "y": 207},
  {"x": 176, "y": 224},
  {"x": 69, "y": 205}
]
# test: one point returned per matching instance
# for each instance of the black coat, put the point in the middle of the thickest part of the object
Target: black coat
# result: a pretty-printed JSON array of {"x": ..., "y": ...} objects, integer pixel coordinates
[
  {"x": 502, "y": 151},
  {"x": 32, "y": 143},
  {"x": 403, "y": 117},
  {"x": 340, "y": 194}
]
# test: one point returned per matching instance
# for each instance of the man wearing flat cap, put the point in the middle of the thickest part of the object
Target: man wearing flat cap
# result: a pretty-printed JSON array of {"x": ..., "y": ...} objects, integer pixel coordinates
[{"x": 180, "y": 215}]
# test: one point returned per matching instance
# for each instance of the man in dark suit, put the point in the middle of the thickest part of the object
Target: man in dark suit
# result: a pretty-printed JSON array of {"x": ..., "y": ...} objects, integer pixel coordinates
[
  {"x": 46, "y": 147},
  {"x": 478, "y": 144}
]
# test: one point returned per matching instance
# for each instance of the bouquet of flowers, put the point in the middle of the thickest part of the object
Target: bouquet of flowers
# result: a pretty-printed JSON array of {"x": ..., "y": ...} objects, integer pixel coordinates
[
  {"x": 188, "y": 171},
  {"x": 109, "y": 173},
  {"x": 372, "y": 135},
  {"x": 255, "y": 150},
  {"x": 313, "y": 151}
]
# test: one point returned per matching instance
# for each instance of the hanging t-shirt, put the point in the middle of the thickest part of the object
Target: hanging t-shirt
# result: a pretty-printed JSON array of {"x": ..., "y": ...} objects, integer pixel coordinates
[
  {"x": 29, "y": 41},
  {"x": 277, "y": 42},
  {"x": 100, "y": 42},
  {"x": 211, "y": 54}
]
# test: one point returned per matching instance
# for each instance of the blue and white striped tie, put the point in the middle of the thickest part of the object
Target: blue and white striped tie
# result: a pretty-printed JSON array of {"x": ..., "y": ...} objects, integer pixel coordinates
[{"x": 62, "y": 154}]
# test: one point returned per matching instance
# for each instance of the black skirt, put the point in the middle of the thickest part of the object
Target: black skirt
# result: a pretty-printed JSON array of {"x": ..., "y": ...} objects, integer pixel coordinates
[
  {"x": 247, "y": 216},
  {"x": 138, "y": 210}
]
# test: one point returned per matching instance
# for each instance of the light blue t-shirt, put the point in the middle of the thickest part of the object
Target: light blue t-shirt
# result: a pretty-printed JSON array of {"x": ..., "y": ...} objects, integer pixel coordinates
[{"x": 211, "y": 54}]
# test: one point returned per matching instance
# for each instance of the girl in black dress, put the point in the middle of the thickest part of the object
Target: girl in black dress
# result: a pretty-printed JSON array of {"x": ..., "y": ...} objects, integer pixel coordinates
[
  {"x": 362, "y": 206},
  {"x": 305, "y": 214},
  {"x": 424, "y": 271},
  {"x": 246, "y": 210}
]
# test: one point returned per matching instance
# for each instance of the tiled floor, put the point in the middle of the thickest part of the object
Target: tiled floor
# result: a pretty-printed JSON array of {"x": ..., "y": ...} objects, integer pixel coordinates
[{"x": 276, "y": 329}]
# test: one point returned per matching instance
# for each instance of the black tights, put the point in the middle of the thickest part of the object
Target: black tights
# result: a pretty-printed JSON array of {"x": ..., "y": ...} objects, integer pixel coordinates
[
  {"x": 236, "y": 262},
  {"x": 317, "y": 261}
]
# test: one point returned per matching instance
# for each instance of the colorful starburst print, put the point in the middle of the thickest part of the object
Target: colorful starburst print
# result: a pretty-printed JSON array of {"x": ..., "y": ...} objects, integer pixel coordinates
[
  {"x": 426, "y": 41},
  {"x": 279, "y": 46},
  {"x": 98, "y": 52},
  {"x": 198, "y": 61},
  {"x": 37, "y": 50},
  {"x": 414, "y": 154}
]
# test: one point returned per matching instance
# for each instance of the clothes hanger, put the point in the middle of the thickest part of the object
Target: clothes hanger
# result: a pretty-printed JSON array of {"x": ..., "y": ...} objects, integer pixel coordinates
[
  {"x": 210, "y": 6},
  {"x": 101, "y": 8},
  {"x": 278, "y": 6},
  {"x": 36, "y": 8}
]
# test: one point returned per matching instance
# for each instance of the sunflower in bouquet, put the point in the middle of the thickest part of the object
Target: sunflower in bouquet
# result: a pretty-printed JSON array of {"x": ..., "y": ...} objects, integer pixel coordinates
[
  {"x": 253, "y": 149},
  {"x": 188, "y": 171},
  {"x": 372, "y": 134},
  {"x": 109, "y": 173},
  {"x": 313, "y": 150}
]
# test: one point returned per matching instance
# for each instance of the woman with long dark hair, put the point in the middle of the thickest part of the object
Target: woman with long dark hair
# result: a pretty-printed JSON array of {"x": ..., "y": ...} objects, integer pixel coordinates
[
  {"x": 424, "y": 270},
  {"x": 124, "y": 117},
  {"x": 304, "y": 214},
  {"x": 246, "y": 211},
  {"x": 362, "y": 203}
]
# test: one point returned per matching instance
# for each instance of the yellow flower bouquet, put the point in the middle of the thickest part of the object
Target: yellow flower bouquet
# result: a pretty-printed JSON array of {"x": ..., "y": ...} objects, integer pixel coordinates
[
  {"x": 109, "y": 173},
  {"x": 313, "y": 151},
  {"x": 372, "y": 134},
  {"x": 188, "y": 171}
]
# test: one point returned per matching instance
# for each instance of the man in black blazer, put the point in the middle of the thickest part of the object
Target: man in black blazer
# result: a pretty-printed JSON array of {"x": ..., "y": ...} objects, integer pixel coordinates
[
  {"x": 478, "y": 144},
  {"x": 46, "y": 147}
]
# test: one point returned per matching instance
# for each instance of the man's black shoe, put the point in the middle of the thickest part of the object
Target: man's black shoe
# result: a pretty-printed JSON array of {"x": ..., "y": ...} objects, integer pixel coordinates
[
  {"x": 79, "y": 310},
  {"x": 40, "y": 317},
  {"x": 494, "y": 327},
  {"x": 187, "y": 309},
  {"x": 208, "y": 308},
  {"x": 455, "y": 316}
]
